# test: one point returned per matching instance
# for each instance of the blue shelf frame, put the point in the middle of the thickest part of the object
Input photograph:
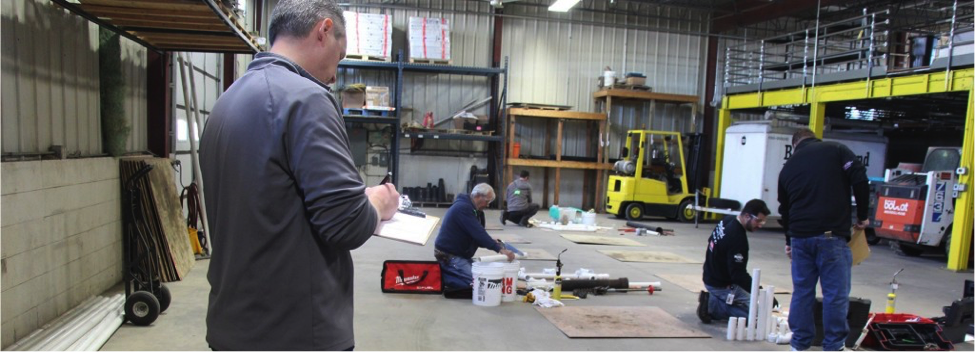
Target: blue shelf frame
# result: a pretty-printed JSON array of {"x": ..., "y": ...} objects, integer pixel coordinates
[{"x": 400, "y": 67}]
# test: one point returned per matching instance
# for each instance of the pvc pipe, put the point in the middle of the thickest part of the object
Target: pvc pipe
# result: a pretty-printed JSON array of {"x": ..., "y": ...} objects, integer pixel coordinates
[
  {"x": 107, "y": 334},
  {"x": 46, "y": 343},
  {"x": 74, "y": 334},
  {"x": 496, "y": 258},
  {"x": 101, "y": 332},
  {"x": 86, "y": 339},
  {"x": 760, "y": 321},
  {"x": 53, "y": 324},
  {"x": 740, "y": 331},
  {"x": 769, "y": 326},
  {"x": 784, "y": 339},
  {"x": 732, "y": 324},
  {"x": 753, "y": 304},
  {"x": 783, "y": 326},
  {"x": 645, "y": 284},
  {"x": 525, "y": 276}
]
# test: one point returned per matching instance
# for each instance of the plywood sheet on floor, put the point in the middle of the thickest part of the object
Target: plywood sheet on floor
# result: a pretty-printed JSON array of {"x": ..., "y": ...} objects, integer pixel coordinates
[
  {"x": 618, "y": 322},
  {"x": 530, "y": 253},
  {"x": 510, "y": 238},
  {"x": 693, "y": 283},
  {"x": 648, "y": 257},
  {"x": 603, "y": 240}
]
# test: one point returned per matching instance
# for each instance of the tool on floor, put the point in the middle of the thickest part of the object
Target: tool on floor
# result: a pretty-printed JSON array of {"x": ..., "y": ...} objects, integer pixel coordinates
[
  {"x": 557, "y": 290},
  {"x": 892, "y": 296},
  {"x": 650, "y": 229},
  {"x": 602, "y": 290}
]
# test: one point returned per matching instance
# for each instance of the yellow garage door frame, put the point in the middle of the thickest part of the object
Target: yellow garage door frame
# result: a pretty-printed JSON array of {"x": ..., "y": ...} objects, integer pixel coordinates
[{"x": 918, "y": 84}]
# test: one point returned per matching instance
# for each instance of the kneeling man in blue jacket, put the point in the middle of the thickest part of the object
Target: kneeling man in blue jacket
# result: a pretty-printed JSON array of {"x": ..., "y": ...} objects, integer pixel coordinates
[{"x": 462, "y": 233}]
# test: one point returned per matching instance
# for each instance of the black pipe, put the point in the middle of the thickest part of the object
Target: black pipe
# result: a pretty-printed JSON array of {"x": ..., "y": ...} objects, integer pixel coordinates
[{"x": 569, "y": 285}]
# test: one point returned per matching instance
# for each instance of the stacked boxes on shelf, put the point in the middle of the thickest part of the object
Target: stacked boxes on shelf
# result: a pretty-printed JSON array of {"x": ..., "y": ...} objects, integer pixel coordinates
[
  {"x": 429, "y": 39},
  {"x": 369, "y": 35}
]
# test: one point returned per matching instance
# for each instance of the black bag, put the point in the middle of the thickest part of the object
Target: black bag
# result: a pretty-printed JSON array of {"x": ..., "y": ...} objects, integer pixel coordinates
[
  {"x": 856, "y": 318},
  {"x": 411, "y": 276}
]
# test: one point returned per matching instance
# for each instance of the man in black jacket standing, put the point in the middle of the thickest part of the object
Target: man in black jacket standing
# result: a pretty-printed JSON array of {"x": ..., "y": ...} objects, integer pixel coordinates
[
  {"x": 814, "y": 200},
  {"x": 726, "y": 265}
]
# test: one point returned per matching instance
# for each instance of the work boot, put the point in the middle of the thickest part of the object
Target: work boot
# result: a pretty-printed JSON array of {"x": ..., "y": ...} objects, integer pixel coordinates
[
  {"x": 702, "y": 307},
  {"x": 504, "y": 217}
]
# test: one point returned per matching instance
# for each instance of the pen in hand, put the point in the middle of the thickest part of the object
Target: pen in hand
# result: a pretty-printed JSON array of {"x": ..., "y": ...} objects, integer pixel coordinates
[{"x": 386, "y": 179}]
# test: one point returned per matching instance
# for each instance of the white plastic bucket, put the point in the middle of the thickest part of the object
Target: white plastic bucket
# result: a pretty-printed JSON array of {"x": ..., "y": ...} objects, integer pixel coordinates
[
  {"x": 488, "y": 278},
  {"x": 589, "y": 219},
  {"x": 609, "y": 78},
  {"x": 509, "y": 285}
]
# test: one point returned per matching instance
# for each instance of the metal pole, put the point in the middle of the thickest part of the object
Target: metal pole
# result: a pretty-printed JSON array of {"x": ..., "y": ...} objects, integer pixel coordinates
[
  {"x": 761, "y": 65},
  {"x": 816, "y": 48},
  {"x": 951, "y": 44},
  {"x": 194, "y": 155},
  {"x": 873, "y": 21}
]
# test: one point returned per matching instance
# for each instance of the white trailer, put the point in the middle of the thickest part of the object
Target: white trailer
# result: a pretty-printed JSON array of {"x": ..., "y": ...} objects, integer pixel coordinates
[{"x": 755, "y": 151}]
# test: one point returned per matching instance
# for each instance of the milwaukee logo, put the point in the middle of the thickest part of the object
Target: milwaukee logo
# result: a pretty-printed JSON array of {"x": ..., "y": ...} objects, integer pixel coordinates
[
  {"x": 891, "y": 205},
  {"x": 409, "y": 280}
]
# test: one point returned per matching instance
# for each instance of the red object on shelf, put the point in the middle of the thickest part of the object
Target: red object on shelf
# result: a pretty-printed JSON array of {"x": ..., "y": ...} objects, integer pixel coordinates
[{"x": 515, "y": 150}]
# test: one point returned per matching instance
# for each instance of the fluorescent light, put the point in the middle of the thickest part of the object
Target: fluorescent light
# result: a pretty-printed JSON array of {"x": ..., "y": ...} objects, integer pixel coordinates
[{"x": 563, "y": 5}]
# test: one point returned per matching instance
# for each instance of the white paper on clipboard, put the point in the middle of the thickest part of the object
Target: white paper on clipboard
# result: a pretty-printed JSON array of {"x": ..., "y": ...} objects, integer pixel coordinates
[{"x": 408, "y": 228}]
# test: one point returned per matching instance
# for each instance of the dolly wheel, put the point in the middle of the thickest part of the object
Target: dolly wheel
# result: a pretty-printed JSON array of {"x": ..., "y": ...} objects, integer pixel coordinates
[
  {"x": 141, "y": 308},
  {"x": 164, "y": 297},
  {"x": 909, "y": 250},
  {"x": 684, "y": 211},
  {"x": 634, "y": 211}
]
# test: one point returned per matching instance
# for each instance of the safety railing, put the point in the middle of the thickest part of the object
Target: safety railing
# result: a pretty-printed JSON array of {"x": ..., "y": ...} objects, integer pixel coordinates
[{"x": 851, "y": 44}]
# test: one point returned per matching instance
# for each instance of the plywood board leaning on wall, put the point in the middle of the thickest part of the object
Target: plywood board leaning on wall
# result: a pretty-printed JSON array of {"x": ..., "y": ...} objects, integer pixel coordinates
[{"x": 164, "y": 224}]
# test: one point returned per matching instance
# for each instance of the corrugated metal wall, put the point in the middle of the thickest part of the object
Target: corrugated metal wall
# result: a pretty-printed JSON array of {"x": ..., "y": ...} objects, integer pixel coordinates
[
  {"x": 551, "y": 61},
  {"x": 50, "y": 81}
]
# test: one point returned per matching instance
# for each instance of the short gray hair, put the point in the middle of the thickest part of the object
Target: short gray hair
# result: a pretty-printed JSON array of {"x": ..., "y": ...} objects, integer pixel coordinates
[
  {"x": 295, "y": 18},
  {"x": 483, "y": 189}
]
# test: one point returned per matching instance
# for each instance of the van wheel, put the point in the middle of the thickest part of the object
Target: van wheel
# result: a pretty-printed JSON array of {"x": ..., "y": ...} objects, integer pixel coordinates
[{"x": 634, "y": 211}]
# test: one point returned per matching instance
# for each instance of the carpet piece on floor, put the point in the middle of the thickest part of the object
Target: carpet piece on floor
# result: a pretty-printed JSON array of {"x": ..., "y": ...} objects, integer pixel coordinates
[
  {"x": 693, "y": 283},
  {"x": 618, "y": 322},
  {"x": 648, "y": 257},
  {"x": 530, "y": 254},
  {"x": 510, "y": 238},
  {"x": 602, "y": 240}
]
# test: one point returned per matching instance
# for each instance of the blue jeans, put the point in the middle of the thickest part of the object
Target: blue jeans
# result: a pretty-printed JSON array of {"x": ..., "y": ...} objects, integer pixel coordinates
[
  {"x": 718, "y": 306},
  {"x": 456, "y": 272},
  {"x": 827, "y": 260}
]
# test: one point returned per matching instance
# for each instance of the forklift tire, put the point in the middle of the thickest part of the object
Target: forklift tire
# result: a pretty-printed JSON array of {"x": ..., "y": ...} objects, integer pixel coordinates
[
  {"x": 872, "y": 238},
  {"x": 621, "y": 215},
  {"x": 634, "y": 211},
  {"x": 909, "y": 250},
  {"x": 164, "y": 297},
  {"x": 141, "y": 308},
  {"x": 684, "y": 211}
]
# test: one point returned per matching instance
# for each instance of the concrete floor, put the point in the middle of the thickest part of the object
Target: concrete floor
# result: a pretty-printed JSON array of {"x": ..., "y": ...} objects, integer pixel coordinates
[{"x": 430, "y": 322}]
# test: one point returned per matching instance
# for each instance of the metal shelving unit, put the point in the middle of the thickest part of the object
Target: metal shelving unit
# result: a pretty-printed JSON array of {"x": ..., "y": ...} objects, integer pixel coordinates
[{"x": 399, "y": 67}]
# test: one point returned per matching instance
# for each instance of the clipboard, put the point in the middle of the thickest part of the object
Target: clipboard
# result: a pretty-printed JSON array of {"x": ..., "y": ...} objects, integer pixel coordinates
[
  {"x": 859, "y": 249},
  {"x": 408, "y": 228}
]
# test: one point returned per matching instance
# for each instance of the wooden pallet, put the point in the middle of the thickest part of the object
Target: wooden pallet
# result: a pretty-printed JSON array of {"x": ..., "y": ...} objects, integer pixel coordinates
[
  {"x": 431, "y": 61},
  {"x": 368, "y": 57}
]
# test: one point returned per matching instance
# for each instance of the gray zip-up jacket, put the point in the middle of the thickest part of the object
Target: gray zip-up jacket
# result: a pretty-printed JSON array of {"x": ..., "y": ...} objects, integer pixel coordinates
[{"x": 285, "y": 206}]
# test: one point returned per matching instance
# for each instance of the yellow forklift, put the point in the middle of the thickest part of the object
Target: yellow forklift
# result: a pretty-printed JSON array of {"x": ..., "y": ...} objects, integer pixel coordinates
[{"x": 651, "y": 178}]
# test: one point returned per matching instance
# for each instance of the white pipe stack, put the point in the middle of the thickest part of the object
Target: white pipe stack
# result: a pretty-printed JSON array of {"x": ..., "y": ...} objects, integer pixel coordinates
[
  {"x": 79, "y": 329},
  {"x": 753, "y": 304}
]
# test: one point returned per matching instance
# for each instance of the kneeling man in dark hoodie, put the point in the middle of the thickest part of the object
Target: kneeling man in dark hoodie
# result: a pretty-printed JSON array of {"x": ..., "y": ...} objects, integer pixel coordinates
[{"x": 461, "y": 234}]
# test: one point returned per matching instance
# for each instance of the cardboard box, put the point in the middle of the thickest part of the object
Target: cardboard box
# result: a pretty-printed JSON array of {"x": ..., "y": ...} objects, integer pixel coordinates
[
  {"x": 353, "y": 99},
  {"x": 429, "y": 38},
  {"x": 368, "y": 34},
  {"x": 636, "y": 81},
  {"x": 377, "y": 96}
]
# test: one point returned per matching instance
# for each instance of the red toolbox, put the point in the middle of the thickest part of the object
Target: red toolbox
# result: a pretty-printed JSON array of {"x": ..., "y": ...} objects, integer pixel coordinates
[{"x": 904, "y": 332}]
